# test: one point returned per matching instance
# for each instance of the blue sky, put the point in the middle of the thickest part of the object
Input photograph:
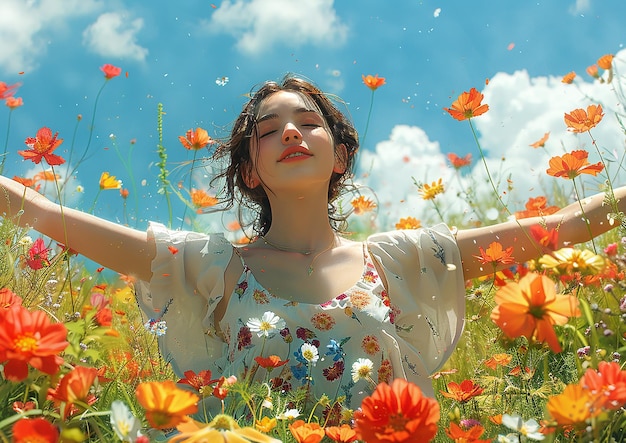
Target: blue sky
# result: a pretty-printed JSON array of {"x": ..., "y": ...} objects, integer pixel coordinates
[{"x": 429, "y": 52}]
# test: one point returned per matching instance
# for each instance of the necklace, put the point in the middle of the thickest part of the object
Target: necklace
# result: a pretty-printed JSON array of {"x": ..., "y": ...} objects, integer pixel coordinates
[{"x": 305, "y": 252}]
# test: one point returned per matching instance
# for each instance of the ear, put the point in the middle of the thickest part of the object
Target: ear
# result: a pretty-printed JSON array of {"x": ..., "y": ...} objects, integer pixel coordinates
[
  {"x": 341, "y": 159},
  {"x": 250, "y": 177}
]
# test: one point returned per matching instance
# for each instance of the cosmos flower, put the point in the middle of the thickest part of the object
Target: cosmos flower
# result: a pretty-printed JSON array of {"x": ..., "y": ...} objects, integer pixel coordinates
[
  {"x": 572, "y": 164},
  {"x": 304, "y": 432},
  {"x": 463, "y": 392},
  {"x": 569, "y": 78},
  {"x": 195, "y": 139},
  {"x": 495, "y": 255},
  {"x": 468, "y": 105},
  {"x": 166, "y": 404},
  {"x": 531, "y": 308},
  {"x": 429, "y": 192},
  {"x": 41, "y": 147},
  {"x": 408, "y": 223},
  {"x": 373, "y": 81},
  {"x": 580, "y": 120},
  {"x": 110, "y": 71},
  {"x": 108, "y": 181},
  {"x": 362, "y": 205},
  {"x": 459, "y": 162},
  {"x": 573, "y": 407}
]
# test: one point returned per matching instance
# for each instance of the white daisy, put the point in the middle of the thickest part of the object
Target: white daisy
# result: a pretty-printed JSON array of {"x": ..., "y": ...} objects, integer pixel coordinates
[
  {"x": 362, "y": 368},
  {"x": 310, "y": 353},
  {"x": 124, "y": 424},
  {"x": 289, "y": 414},
  {"x": 267, "y": 325},
  {"x": 529, "y": 429}
]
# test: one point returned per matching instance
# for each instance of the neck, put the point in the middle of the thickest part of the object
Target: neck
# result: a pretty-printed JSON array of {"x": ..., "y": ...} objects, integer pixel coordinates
[{"x": 300, "y": 222}]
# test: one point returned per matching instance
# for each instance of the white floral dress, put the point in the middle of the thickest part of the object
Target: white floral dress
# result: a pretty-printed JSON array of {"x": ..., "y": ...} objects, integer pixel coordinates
[{"x": 406, "y": 330}]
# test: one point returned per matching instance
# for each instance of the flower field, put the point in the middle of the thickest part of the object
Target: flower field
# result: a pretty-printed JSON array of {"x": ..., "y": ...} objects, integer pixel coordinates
[{"x": 541, "y": 358}]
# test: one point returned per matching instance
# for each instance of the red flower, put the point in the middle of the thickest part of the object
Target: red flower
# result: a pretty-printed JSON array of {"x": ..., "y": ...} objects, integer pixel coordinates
[
  {"x": 9, "y": 298},
  {"x": 471, "y": 435},
  {"x": 571, "y": 165},
  {"x": 373, "y": 81},
  {"x": 458, "y": 162},
  {"x": 468, "y": 105},
  {"x": 609, "y": 382},
  {"x": 397, "y": 413},
  {"x": 74, "y": 387},
  {"x": 110, "y": 71},
  {"x": 547, "y": 239},
  {"x": 42, "y": 146},
  {"x": 28, "y": 430},
  {"x": 197, "y": 381},
  {"x": 38, "y": 255},
  {"x": 271, "y": 362},
  {"x": 30, "y": 338},
  {"x": 13, "y": 102},
  {"x": 195, "y": 139},
  {"x": 7, "y": 91},
  {"x": 463, "y": 392}
]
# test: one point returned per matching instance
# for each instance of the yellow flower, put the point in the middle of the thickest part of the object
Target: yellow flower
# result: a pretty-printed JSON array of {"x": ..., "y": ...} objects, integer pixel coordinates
[
  {"x": 108, "y": 181},
  {"x": 223, "y": 428},
  {"x": 570, "y": 260},
  {"x": 362, "y": 205},
  {"x": 429, "y": 192},
  {"x": 165, "y": 403},
  {"x": 573, "y": 407},
  {"x": 266, "y": 424},
  {"x": 408, "y": 223}
]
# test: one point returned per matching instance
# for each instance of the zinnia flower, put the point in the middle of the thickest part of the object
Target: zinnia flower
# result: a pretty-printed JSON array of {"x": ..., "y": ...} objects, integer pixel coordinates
[
  {"x": 397, "y": 413},
  {"x": 223, "y": 428},
  {"x": 463, "y": 392},
  {"x": 572, "y": 164},
  {"x": 110, "y": 71},
  {"x": 30, "y": 338},
  {"x": 195, "y": 139},
  {"x": 41, "y": 147},
  {"x": 373, "y": 81},
  {"x": 29, "y": 430},
  {"x": 580, "y": 121},
  {"x": 531, "y": 307},
  {"x": 166, "y": 404},
  {"x": 468, "y": 105}
]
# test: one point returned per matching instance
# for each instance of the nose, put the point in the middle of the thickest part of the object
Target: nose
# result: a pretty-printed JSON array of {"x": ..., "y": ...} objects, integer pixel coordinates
[{"x": 291, "y": 133}]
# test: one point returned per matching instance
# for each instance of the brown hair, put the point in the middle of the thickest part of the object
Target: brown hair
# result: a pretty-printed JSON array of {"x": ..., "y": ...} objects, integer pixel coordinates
[{"x": 239, "y": 163}]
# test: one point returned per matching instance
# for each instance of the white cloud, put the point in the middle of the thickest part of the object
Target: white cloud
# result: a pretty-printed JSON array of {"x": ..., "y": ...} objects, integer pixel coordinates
[
  {"x": 259, "y": 24},
  {"x": 522, "y": 109},
  {"x": 114, "y": 34},
  {"x": 26, "y": 28},
  {"x": 580, "y": 6}
]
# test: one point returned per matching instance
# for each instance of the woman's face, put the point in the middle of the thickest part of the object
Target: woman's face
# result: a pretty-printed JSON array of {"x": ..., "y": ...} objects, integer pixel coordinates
[{"x": 292, "y": 145}]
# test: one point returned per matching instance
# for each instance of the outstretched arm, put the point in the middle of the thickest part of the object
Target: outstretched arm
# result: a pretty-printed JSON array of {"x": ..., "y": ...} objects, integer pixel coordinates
[
  {"x": 569, "y": 221},
  {"x": 125, "y": 250}
]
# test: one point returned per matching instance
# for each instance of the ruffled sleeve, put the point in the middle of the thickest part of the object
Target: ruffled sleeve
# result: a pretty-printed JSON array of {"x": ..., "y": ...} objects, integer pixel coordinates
[
  {"x": 426, "y": 288},
  {"x": 187, "y": 283}
]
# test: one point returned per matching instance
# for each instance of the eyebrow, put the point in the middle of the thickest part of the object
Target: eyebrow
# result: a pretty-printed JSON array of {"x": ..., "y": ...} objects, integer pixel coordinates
[{"x": 274, "y": 115}]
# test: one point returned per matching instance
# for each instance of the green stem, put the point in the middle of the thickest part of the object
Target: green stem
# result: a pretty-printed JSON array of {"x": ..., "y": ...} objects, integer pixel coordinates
[
  {"x": 585, "y": 219},
  {"x": 367, "y": 123},
  {"x": 6, "y": 143},
  {"x": 193, "y": 162},
  {"x": 164, "y": 173}
]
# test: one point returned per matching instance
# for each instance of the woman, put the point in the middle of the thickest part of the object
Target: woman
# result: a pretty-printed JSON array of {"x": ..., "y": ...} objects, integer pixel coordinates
[{"x": 342, "y": 314}]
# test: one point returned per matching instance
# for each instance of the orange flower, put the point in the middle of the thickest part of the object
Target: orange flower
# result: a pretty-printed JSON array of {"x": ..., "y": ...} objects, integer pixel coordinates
[
  {"x": 468, "y": 105},
  {"x": 29, "y": 430},
  {"x": 108, "y": 181},
  {"x": 569, "y": 78},
  {"x": 531, "y": 307},
  {"x": 201, "y": 199},
  {"x": 573, "y": 407},
  {"x": 166, "y": 404},
  {"x": 570, "y": 165},
  {"x": 194, "y": 140},
  {"x": 124, "y": 193},
  {"x": 9, "y": 298},
  {"x": 341, "y": 434},
  {"x": 110, "y": 71},
  {"x": 48, "y": 175},
  {"x": 13, "y": 102},
  {"x": 408, "y": 223},
  {"x": 459, "y": 162},
  {"x": 536, "y": 207},
  {"x": 606, "y": 61},
  {"x": 609, "y": 382},
  {"x": 593, "y": 71},
  {"x": 30, "y": 338},
  {"x": 498, "y": 360},
  {"x": 495, "y": 255},
  {"x": 223, "y": 428},
  {"x": 42, "y": 146},
  {"x": 580, "y": 120},
  {"x": 306, "y": 432},
  {"x": 7, "y": 91},
  {"x": 73, "y": 387},
  {"x": 471, "y": 435},
  {"x": 463, "y": 392},
  {"x": 362, "y": 205},
  {"x": 397, "y": 413},
  {"x": 429, "y": 192},
  {"x": 547, "y": 239},
  {"x": 541, "y": 142},
  {"x": 266, "y": 424},
  {"x": 373, "y": 81},
  {"x": 271, "y": 362}
]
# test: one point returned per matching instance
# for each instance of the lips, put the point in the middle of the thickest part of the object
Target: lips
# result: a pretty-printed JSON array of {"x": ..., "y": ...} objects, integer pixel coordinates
[{"x": 294, "y": 152}]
